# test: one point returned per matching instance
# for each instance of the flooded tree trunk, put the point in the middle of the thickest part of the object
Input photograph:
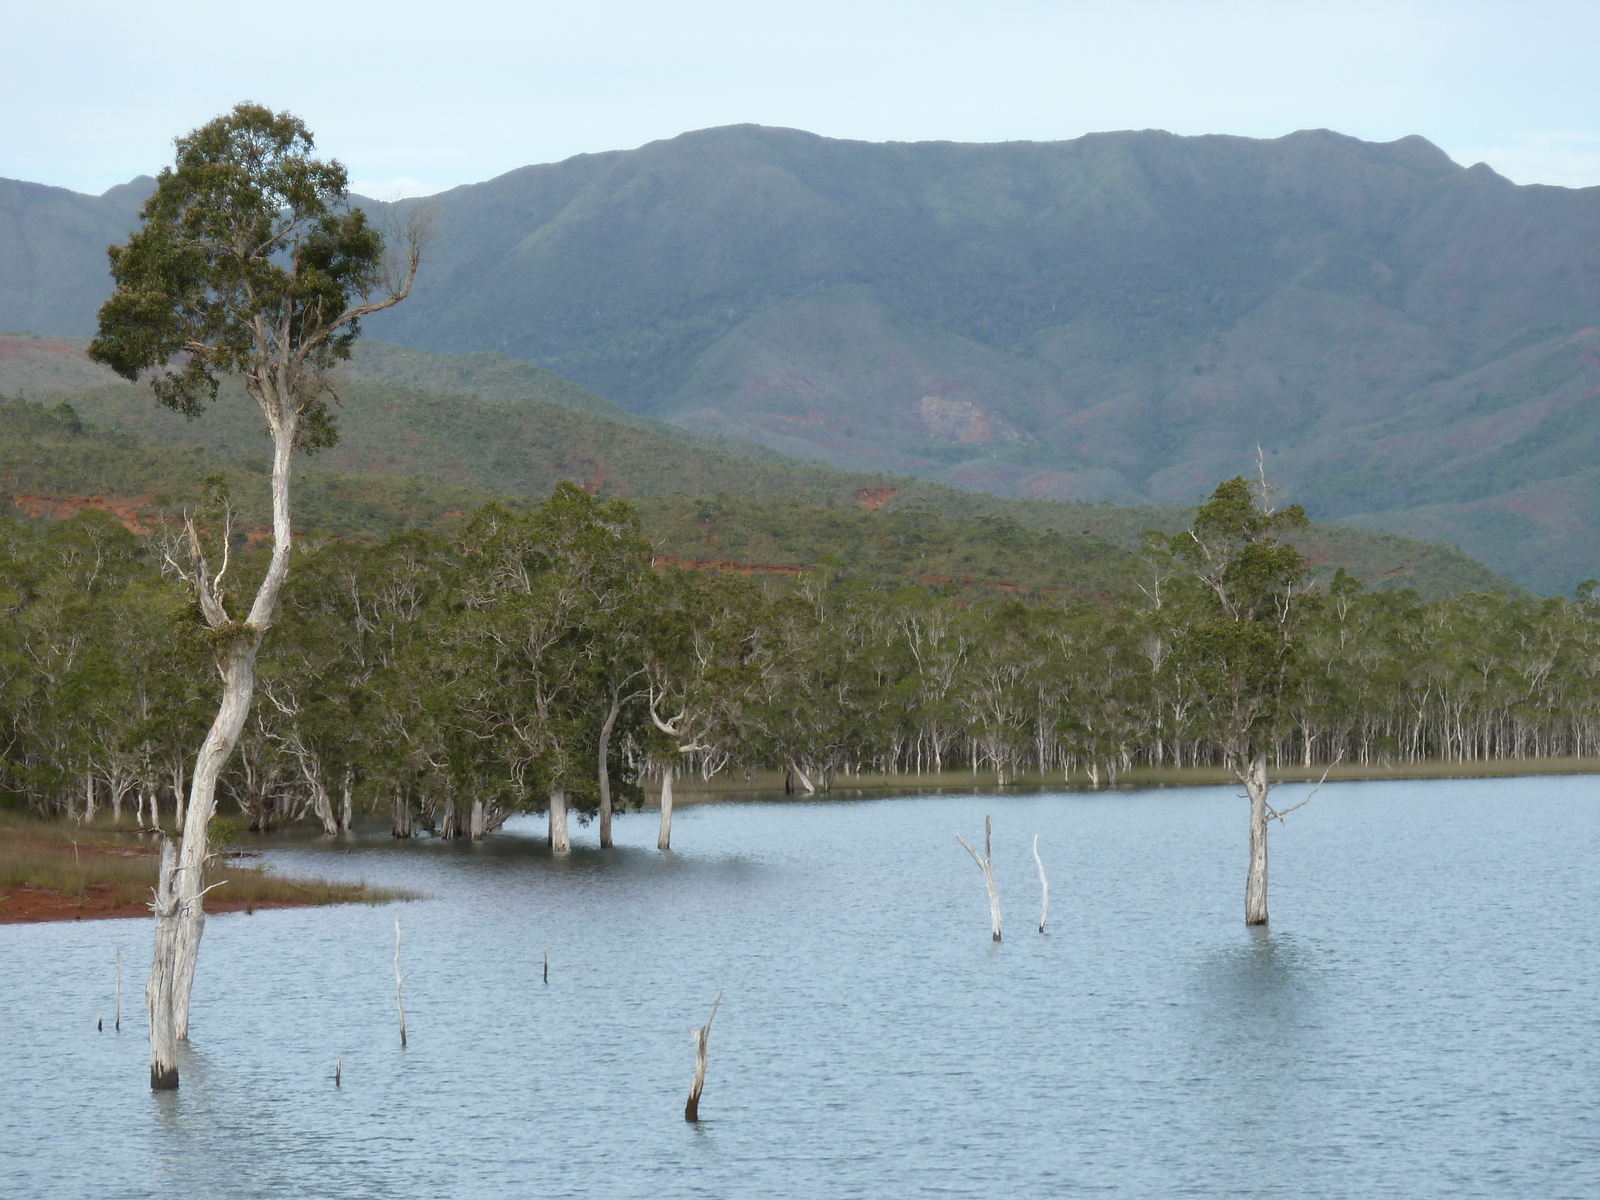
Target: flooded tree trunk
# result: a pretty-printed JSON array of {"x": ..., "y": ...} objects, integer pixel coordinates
[
  {"x": 984, "y": 865},
  {"x": 322, "y": 805},
  {"x": 449, "y": 824},
  {"x": 560, "y": 842},
  {"x": 691, "y": 1110},
  {"x": 480, "y": 820},
  {"x": 238, "y": 669},
  {"x": 604, "y": 778},
  {"x": 400, "y": 816},
  {"x": 1255, "y": 888},
  {"x": 1044, "y": 885},
  {"x": 158, "y": 989},
  {"x": 664, "y": 838},
  {"x": 346, "y": 815}
]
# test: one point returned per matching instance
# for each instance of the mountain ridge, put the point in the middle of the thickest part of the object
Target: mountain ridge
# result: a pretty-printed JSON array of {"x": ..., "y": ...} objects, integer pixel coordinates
[{"x": 1123, "y": 316}]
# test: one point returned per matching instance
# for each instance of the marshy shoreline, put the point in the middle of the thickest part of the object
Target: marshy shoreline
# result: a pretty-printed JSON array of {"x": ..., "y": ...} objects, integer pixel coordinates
[{"x": 55, "y": 871}]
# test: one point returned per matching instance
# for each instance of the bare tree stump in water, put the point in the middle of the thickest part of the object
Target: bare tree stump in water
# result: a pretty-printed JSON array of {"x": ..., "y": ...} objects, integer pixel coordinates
[
  {"x": 988, "y": 874},
  {"x": 399, "y": 1002},
  {"x": 118, "y": 1026},
  {"x": 691, "y": 1110},
  {"x": 1044, "y": 885}
]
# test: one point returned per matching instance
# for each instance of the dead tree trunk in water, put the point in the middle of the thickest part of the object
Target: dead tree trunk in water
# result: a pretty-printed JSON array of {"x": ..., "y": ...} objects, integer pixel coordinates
[
  {"x": 691, "y": 1110},
  {"x": 988, "y": 874},
  {"x": 1255, "y": 888},
  {"x": 399, "y": 1002},
  {"x": 560, "y": 842},
  {"x": 1044, "y": 885},
  {"x": 664, "y": 838},
  {"x": 158, "y": 989},
  {"x": 400, "y": 821}
]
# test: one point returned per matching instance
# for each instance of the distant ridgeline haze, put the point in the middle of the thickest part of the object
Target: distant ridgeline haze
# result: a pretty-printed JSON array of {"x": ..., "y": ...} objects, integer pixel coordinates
[{"x": 1119, "y": 317}]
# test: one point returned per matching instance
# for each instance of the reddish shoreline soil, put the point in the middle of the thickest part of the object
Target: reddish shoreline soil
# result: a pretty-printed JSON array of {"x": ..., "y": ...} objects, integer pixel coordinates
[{"x": 25, "y": 906}]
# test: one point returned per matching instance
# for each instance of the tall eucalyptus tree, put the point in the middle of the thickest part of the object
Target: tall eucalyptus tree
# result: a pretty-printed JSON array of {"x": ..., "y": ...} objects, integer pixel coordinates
[{"x": 251, "y": 264}]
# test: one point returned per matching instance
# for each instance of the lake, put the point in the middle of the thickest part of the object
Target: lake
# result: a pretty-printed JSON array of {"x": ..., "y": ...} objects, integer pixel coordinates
[{"x": 1421, "y": 1019}]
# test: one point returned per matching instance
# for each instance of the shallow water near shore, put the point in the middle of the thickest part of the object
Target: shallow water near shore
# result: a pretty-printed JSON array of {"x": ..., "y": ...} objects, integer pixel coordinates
[{"x": 1421, "y": 1019}]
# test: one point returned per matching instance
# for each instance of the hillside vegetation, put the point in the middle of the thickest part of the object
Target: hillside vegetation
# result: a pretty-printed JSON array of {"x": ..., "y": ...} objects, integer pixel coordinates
[
  {"x": 409, "y": 461},
  {"x": 1119, "y": 317}
]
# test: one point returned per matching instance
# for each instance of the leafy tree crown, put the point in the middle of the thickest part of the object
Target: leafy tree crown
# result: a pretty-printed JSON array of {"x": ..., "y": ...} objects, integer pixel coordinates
[{"x": 248, "y": 262}]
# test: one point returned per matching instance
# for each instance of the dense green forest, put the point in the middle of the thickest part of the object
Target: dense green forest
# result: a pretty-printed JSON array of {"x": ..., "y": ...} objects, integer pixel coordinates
[{"x": 449, "y": 680}]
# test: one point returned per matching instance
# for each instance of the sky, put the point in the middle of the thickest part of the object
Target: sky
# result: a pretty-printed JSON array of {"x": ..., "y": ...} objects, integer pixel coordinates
[{"x": 417, "y": 98}]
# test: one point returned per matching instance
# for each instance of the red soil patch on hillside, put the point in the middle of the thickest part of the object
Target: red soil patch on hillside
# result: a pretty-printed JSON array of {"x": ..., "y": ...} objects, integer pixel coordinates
[
  {"x": 662, "y": 561},
  {"x": 132, "y": 511}
]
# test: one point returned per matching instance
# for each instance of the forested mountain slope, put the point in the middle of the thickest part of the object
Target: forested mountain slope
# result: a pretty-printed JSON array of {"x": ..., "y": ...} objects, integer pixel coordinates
[
  {"x": 408, "y": 459},
  {"x": 1122, "y": 316}
]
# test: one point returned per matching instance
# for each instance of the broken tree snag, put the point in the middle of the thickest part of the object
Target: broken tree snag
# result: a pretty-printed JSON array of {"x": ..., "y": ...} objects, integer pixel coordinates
[
  {"x": 664, "y": 838},
  {"x": 159, "y": 988},
  {"x": 988, "y": 874},
  {"x": 399, "y": 1002},
  {"x": 691, "y": 1110},
  {"x": 1044, "y": 885}
]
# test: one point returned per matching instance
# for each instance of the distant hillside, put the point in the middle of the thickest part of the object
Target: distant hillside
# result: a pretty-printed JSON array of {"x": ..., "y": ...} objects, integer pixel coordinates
[
  {"x": 1123, "y": 316},
  {"x": 407, "y": 459}
]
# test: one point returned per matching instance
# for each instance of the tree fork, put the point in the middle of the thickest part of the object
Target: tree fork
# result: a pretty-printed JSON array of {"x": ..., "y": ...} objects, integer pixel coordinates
[{"x": 988, "y": 875}]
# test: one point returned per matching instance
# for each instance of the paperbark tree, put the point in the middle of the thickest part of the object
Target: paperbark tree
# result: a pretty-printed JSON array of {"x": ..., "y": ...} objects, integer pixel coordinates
[
  {"x": 249, "y": 263},
  {"x": 1238, "y": 640}
]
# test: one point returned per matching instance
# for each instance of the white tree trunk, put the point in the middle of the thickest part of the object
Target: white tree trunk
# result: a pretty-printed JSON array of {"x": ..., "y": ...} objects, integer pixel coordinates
[
  {"x": 1044, "y": 885},
  {"x": 691, "y": 1110},
  {"x": 604, "y": 766},
  {"x": 399, "y": 980},
  {"x": 159, "y": 988},
  {"x": 322, "y": 805},
  {"x": 238, "y": 685},
  {"x": 988, "y": 875},
  {"x": 664, "y": 838},
  {"x": 480, "y": 820},
  {"x": 560, "y": 842},
  {"x": 804, "y": 782},
  {"x": 236, "y": 663},
  {"x": 346, "y": 816},
  {"x": 1255, "y": 888}
]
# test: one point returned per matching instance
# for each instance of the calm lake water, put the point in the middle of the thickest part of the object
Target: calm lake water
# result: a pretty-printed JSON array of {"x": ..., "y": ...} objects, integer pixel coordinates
[{"x": 1421, "y": 1020}]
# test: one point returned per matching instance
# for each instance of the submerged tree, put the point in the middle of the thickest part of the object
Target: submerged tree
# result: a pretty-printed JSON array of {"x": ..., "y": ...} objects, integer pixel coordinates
[
  {"x": 1237, "y": 640},
  {"x": 250, "y": 263}
]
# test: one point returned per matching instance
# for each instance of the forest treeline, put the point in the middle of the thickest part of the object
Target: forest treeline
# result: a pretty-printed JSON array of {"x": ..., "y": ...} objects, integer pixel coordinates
[{"x": 449, "y": 681}]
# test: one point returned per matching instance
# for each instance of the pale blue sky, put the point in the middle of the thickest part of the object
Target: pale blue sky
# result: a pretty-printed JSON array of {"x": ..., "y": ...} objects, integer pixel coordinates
[{"x": 416, "y": 98}]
